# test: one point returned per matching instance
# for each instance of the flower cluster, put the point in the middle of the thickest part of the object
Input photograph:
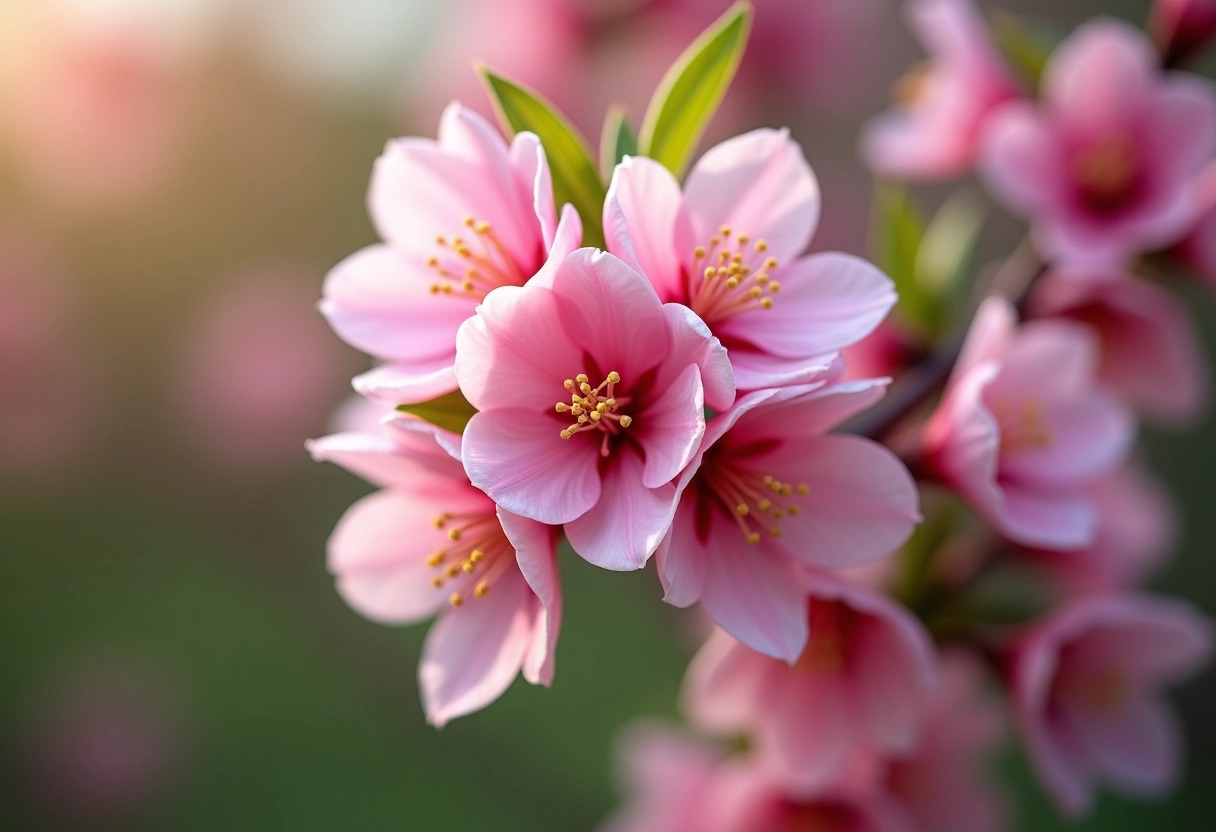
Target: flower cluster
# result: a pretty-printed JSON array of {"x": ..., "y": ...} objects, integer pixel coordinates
[{"x": 682, "y": 395}]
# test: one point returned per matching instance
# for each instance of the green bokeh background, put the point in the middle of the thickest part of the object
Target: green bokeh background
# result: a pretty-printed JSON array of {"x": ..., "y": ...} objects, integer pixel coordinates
[{"x": 294, "y": 713}]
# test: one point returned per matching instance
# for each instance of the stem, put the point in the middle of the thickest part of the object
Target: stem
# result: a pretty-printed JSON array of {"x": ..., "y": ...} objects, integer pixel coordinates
[{"x": 1014, "y": 280}]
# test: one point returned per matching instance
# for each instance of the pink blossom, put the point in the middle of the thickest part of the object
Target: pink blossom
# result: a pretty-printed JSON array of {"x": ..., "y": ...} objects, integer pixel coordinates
[
  {"x": 1086, "y": 688},
  {"x": 240, "y": 391},
  {"x": 677, "y": 784},
  {"x": 1136, "y": 531},
  {"x": 1150, "y": 355},
  {"x": 1105, "y": 165},
  {"x": 459, "y": 216},
  {"x": 591, "y": 396},
  {"x": 769, "y": 491},
  {"x": 1183, "y": 27},
  {"x": 1198, "y": 248},
  {"x": 862, "y": 679},
  {"x": 1022, "y": 430},
  {"x": 730, "y": 240},
  {"x": 935, "y": 133},
  {"x": 431, "y": 544},
  {"x": 944, "y": 781}
]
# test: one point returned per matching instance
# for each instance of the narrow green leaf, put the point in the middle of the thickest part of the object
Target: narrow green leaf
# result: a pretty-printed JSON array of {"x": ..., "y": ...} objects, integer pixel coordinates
[
  {"x": 945, "y": 258},
  {"x": 451, "y": 411},
  {"x": 690, "y": 92},
  {"x": 1027, "y": 49},
  {"x": 575, "y": 178},
  {"x": 896, "y": 237},
  {"x": 616, "y": 143}
]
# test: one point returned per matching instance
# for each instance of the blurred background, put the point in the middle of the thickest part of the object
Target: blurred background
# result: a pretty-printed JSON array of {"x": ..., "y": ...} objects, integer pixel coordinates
[{"x": 176, "y": 176}]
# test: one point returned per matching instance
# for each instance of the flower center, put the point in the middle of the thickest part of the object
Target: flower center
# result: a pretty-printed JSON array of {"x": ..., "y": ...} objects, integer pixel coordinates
[
  {"x": 1022, "y": 427},
  {"x": 731, "y": 275},
  {"x": 595, "y": 408},
  {"x": 758, "y": 503},
  {"x": 831, "y": 625},
  {"x": 474, "y": 266},
  {"x": 1106, "y": 172},
  {"x": 479, "y": 554},
  {"x": 1099, "y": 691}
]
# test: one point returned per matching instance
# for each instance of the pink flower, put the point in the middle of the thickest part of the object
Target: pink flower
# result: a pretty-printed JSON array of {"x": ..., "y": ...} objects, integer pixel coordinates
[
  {"x": 430, "y": 543},
  {"x": 1150, "y": 355},
  {"x": 1136, "y": 530},
  {"x": 591, "y": 396},
  {"x": 241, "y": 393},
  {"x": 1198, "y": 248},
  {"x": 1105, "y": 166},
  {"x": 935, "y": 134},
  {"x": 1086, "y": 686},
  {"x": 768, "y": 492},
  {"x": 862, "y": 679},
  {"x": 944, "y": 782},
  {"x": 460, "y": 217},
  {"x": 678, "y": 784},
  {"x": 730, "y": 240},
  {"x": 1183, "y": 27},
  {"x": 1022, "y": 430}
]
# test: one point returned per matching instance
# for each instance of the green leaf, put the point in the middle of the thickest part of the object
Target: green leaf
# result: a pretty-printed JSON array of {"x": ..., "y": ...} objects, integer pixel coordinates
[
  {"x": 575, "y": 178},
  {"x": 945, "y": 258},
  {"x": 450, "y": 411},
  {"x": 1027, "y": 49},
  {"x": 690, "y": 92},
  {"x": 897, "y": 231},
  {"x": 616, "y": 143}
]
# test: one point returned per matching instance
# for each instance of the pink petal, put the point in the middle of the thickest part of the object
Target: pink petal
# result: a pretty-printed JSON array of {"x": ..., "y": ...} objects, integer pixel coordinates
[
  {"x": 1086, "y": 438},
  {"x": 513, "y": 353},
  {"x": 810, "y": 728},
  {"x": 646, "y": 225},
  {"x": 1046, "y": 520},
  {"x": 1135, "y": 746},
  {"x": 611, "y": 313},
  {"x": 682, "y": 571},
  {"x": 518, "y": 458},
  {"x": 379, "y": 299},
  {"x": 803, "y": 411},
  {"x": 692, "y": 343},
  {"x": 861, "y": 506},
  {"x": 892, "y": 658},
  {"x": 378, "y": 459},
  {"x": 408, "y": 383},
  {"x": 759, "y": 371},
  {"x": 758, "y": 184},
  {"x": 537, "y": 558},
  {"x": 962, "y": 440},
  {"x": 672, "y": 429},
  {"x": 1182, "y": 124},
  {"x": 1100, "y": 76},
  {"x": 473, "y": 652},
  {"x": 990, "y": 336},
  {"x": 379, "y": 548},
  {"x": 566, "y": 239},
  {"x": 751, "y": 593},
  {"x": 1048, "y": 359},
  {"x": 532, "y": 170},
  {"x": 726, "y": 686},
  {"x": 1020, "y": 158},
  {"x": 827, "y": 302},
  {"x": 625, "y": 526}
]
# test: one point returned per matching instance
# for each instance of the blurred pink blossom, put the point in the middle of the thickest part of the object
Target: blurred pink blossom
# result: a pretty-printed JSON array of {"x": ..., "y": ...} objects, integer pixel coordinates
[
  {"x": 1151, "y": 355},
  {"x": 1106, "y": 164},
  {"x": 770, "y": 490},
  {"x": 258, "y": 372},
  {"x": 862, "y": 680},
  {"x": 935, "y": 131},
  {"x": 459, "y": 217},
  {"x": 1183, "y": 27},
  {"x": 1198, "y": 248},
  {"x": 1023, "y": 430},
  {"x": 635, "y": 376},
  {"x": 96, "y": 116},
  {"x": 727, "y": 242},
  {"x": 675, "y": 783},
  {"x": 1087, "y": 688},
  {"x": 1136, "y": 532},
  {"x": 431, "y": 544}
]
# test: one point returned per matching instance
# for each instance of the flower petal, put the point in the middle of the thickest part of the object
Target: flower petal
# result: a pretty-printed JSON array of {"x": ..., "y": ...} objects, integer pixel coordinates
[
  {"x": 412, "y": 383},
  {"x": 758, "y": 184},
  {"x": 537, "y": 559},
  {"x": 646, "y": 225},
  {"x": 692, "y": 343},
  {"x": 672, "y": 428}
]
